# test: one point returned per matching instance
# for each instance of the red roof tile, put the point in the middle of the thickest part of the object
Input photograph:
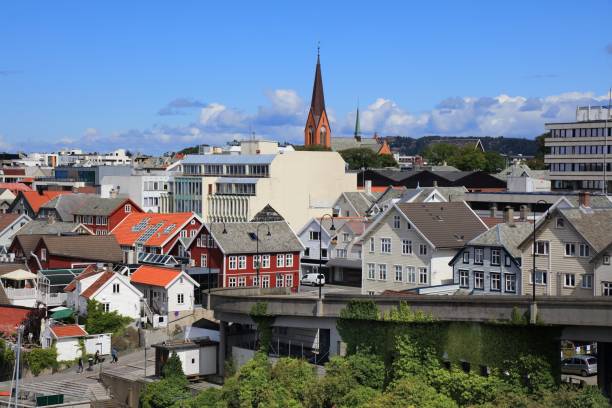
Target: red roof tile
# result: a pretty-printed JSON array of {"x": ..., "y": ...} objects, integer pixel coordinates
[
  {"x": 105, "y": 277},
  {"x": 15, "y": 187},
  {"x": 154, "y": 275},
  {"x": 126, "y": 234},
  {"x": 89, "y": 271},
  {"x": 38, "y": 200},
  {"x": 68, "y": 330},
  {"x": 11, "y": 317}
]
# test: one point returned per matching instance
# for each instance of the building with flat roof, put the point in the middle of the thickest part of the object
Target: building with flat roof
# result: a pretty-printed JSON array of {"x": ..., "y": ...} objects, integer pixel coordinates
[{"x": 579, "y": 154}]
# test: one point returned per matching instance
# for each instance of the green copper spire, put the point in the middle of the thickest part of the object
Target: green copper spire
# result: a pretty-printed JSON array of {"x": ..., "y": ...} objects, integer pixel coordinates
[{"x": 357, "y": 126}]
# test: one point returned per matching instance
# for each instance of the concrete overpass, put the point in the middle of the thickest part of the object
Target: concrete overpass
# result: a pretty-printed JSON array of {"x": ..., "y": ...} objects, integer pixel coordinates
[{"x": 588, "y": 319}]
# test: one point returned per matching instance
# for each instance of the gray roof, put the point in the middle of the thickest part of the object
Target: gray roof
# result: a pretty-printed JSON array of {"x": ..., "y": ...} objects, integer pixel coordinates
[
  {"x": 47, "y": 228},
  {"x": 519, "y": 169},
  {"x": 344, "y": 143},
  {"x": 592, "y": 223},
  {"x": 361, "y": 201},
  {"x": 240, "y": 237},
  {"x": 67, "y": 205},
  {"x": 267, "y": 214},
  {"x": 505, "y": 235},
  {"x": 418, "y": 195},
  {"x": 445, "y": 225},
  {"x": 229, "y": 159},
  {"x": 102, "y": 248}
]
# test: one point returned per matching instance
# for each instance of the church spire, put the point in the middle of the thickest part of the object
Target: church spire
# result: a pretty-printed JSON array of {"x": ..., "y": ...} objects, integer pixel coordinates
[
  {"x": 317, "y": 130},
  {"x": 357, "y": 126}
]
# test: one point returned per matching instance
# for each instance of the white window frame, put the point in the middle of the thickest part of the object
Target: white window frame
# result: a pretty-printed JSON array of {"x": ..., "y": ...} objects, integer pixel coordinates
[
  {"x": 423, "y": 249},
  {"x": 606, "y": 259},
  {"x": 495, "y": 280},
  {"x": 280, "y": 260},
  {"x": 106, "y": 307},
  {"x": 127, "y": 208},
  {"x": 479, "y": 278},
  {"x": 204, "y": 260},
  {"x": 180, "y": 298},
  {"x": 406, "y": 247},
  {"x": 289, "y": 260},
  {"x": 233, "y": 262},
  {"x": 346, "y": 237},
  {"x": 265, "y": 261},
  {"x": 279, "y": 280},
  {"x": 495, "y": 254},
  {"x": 569, "y": 249},
  {"x": 241, "y": 281},
  {"x": 478, "y": 256},
  {"x": 411, "y": 275},
  {"x": 584, "y": 250},
  {"x": 382, "y": 272},
  {"x": 569, "y": 280},
  {"x": 289, "y": 280},
  {"x": 265, "y": 281},
  {"x": 43, "y": 254},
  {"x": 542, "y": 248},
  {"x": 464, "y": 278},
  {"x": 510, "y": 283},
  {"x": 465, "y": 257},
  {"x": 311, "y": 235},
  {"x": 372, "y": 245},
  {"x": 116, "y": 287},
  {"x": 423, "y": 276},
  {"x": 255, "y": 281},
  {"x": 587, "y": 281},
  {"x": 397, "y": 222},
  {"x": 385, "y": 246},
  {"x": 242, "y": 262},
  {"x": 543, "y": 281},
  {"x": 399, "y": 273},
  {"x": 371, "y": 271},
  {"x": 232, "y": 282}
]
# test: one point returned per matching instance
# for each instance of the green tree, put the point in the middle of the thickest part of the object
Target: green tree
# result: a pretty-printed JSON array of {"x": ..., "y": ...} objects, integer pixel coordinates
[
  {"x": 98, "y": 321},
  {"x": 209, "y": 398},
  {"x": 439, "y": 153},
  {"x": 412, "y": 392},
  {"x": 362, "y": 157},
  {"x": 495, "y": 162},
  {"x": 39, "y": 359},
  {"x": 312, "y": 148},
  {"x": 173, "y": 367},
  {"x": 163, "y": 393},
  {"x": 468, "y": 159},
  {"x": 7, "y": 360}
]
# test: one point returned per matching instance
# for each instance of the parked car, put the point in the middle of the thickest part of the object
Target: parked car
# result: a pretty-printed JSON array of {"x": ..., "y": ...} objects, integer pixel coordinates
[
  {"x": 579, "y": 364},
  {"x": 313, "y": 279}
]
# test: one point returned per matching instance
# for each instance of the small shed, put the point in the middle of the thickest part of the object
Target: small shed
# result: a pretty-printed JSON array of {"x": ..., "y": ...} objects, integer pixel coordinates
[{"x": 199, "y": 357}]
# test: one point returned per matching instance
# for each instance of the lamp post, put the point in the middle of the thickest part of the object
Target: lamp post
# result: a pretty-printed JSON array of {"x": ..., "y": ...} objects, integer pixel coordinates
[
  {"x": 257, "y": 249},
  {"x": 208, "y": 253},
  {"x": 333, "y": 228},
  {"x": 533, "y": 272}
]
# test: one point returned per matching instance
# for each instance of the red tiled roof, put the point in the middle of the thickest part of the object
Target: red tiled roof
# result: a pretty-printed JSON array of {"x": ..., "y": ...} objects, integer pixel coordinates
[
  {"x": 38, "y": 200},
  {"x": 105, "y": 277},
  {"x": 154, "y": 275},
  {"x": 68, "y": 330},
  {"x": 14, "y": 171},
  {"x": 7, "y": 219},
  {"x": 89, "y": 271},
  {"x": 15, "y": 187},
  {"x": 11, "y": 317},
  {"x": 126, "y": 235}
]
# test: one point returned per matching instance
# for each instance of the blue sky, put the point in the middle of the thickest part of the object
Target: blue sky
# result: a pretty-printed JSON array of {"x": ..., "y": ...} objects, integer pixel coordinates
[{"x": 158, "y": 76}]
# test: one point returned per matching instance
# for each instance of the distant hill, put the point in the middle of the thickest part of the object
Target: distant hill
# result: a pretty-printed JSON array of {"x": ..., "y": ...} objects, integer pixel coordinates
[{"x": 504, "y": 145}]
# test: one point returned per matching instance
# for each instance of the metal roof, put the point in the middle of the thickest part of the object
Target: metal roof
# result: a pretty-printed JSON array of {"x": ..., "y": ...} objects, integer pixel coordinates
[{"x": 229, "y": 159}]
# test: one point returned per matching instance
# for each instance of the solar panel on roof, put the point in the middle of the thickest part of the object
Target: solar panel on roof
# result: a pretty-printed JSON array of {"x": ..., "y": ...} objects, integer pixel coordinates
[
  {"x": 169, "y": 228},
  {"x": 142, "y": 224},
  {"x": 149, "y": 233}
]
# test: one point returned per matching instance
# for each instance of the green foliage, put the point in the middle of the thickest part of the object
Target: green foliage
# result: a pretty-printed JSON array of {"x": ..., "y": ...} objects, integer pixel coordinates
[
  {"x": 362, "y": 157},
  {"x": 163, "y": 393},
  {"x": 466, "y": 388},
  {"x": 504, "y": 145},
  {"x": 312, "y": 148},
  {"x": 532, "y": 373},
  {"x": 40, "y": 359},
  {"x": 359, "y": 397},
  {"x": 173, "y": 368},
  {"x": 412, "y": 393},
  {"x": 439, "y": 153},
  {"x": 126, "y": 338},
  {"x": 403, "y": 313},
  {"x": 562, "y": 397},
  {"x": 7, "y": 361},
  {"x": 519, "y": 318},
  {"x": 98, "y": 321},
  {"x": 209, "y": 398},
  {"x": 259, "y": 314},
  {"x": 361, "y": 310},
  {"x": 367, "y": 370},
  {"x": 495, "y": 162},
  {"x": 468, "y": 159}
]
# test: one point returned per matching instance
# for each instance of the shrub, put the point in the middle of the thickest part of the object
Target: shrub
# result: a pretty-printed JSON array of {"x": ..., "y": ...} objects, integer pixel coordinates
[
  {"x": 412, "y": 392},
  {"x": 39, "y": 359},
  {"x": 98, "y": 321},
  {"x": 163, "y": 393},
  {"x": 173, "y": 368}
]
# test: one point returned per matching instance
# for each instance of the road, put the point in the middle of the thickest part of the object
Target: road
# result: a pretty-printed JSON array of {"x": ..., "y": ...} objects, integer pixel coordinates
[
  {"x": 590, "y": 380},
  {"x": 314, "y": 290}
]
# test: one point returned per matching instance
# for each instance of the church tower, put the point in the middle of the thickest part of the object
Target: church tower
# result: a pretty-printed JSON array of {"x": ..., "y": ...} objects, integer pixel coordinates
[{"x": 317, "y": 130}]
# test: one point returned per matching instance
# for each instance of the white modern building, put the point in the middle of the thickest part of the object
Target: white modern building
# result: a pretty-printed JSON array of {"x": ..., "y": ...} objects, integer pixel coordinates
[{"x": 151, "y": 190}]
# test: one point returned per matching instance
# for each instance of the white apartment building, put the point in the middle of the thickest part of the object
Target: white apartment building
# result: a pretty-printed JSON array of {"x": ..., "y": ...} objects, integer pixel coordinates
[
  {"x": 300, "y": 185},
  {"x": 579, "y": 154},
  {"x": 151, "y": 191},
  {"x": 77, "y": 157}
]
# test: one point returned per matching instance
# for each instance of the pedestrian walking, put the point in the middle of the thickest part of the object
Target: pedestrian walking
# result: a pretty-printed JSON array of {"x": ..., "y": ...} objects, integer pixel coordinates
[
  {"x": 80, "y": 367},
  {"x": 114, "y": 355},
  {"x": 97, "y": 357}
]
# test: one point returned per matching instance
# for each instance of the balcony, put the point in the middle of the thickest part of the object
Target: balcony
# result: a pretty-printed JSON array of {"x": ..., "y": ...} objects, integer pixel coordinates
[
  {"x": 52, "y": 299},
  {"x": 22, "y": 297}
]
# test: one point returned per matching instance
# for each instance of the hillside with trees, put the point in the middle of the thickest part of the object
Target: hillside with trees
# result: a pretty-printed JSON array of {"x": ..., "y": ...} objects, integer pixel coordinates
[{"x": 503, "y": 145}]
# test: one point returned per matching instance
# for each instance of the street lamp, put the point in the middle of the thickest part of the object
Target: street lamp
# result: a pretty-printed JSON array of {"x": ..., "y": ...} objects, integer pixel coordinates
[
  {"x": 333, "y": 228},
  {"x": 257, "y": 249},
  {"x": 208, "y": 253},
  {"x": 533, "y": 272}
]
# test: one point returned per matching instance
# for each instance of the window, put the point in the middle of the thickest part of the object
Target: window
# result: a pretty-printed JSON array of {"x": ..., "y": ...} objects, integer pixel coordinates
[
  {"x": 180, "y": 297},
  {"x": 399, "y": 273},
  {"x": 242, "y": 281},
  {"x": 464, "y": 278},
  {"x": 231, "y": 282},
  {"x": 280, "y": 280},
  {"x": 406, "y": 247},
  {"x": 606, "y": 260},
  {"x": 265, "y": 261},
  {"x": 289, "y": 260},
  {"x": 106, "y": 307},
  {"x": 479, "y": 280},
  {"x": 193, "y": 233},
  {"x": 242, "y": 262},
  {"x": 541, "y": 248},
  {"x": 204, "y": 261},
  {"x": 385, "y": 245},
  {"x": 101, "y": 220},
  {"x": 265, "y": 281},
  {"x": 307, "y": 251},
  {"x": 371, "y": 271},
  {"x": 570, "y": 249},
  {"x": 423, "y": 279},
  {"x": 466, "y": 257},
  {"x": 507, "y": 260},
  {"x": 127, "y": 208},
  {"x": 495, "y": 257},
  {"x": 585, "y": 250},
  {"x": 372, "y": 244},
  {"x": 289, "y": 280},
  {"x": 233, "y": 262},
  {"x": 382, "y": 271},
  {"x": 116, "y": 288},
  {"x": 478, "y": 256},
  {"x": 397, "y": 222},
  {"x": 314, "y": 235},
  {"x": 411, "y": 274},
  {"x": 323, "y": 252},
  {"x": 587, "y": 281},
  {"x": 340, "y": 253},
  {"x": 183, "y": 233},
  {"x": 255, "y": 281},
  {"x": 408, "y": 226},
  {"x": 43, "y": 254},
  {"x": 422, "y": 249},
  {"x": 510, "y": 282},
  {"x": 101, "y": 232},
  {"x": 346, "y": 237},
  {"x": 560, "y": 223},
  {"x": 569, "y": 280},
  {"x": 495, "y": 281},
  {"x": 606, "y": 288},
  {"x": 540, "y": 277},
  {"x": 280, "y": 260},
  {"x": 257, "y": 261}
]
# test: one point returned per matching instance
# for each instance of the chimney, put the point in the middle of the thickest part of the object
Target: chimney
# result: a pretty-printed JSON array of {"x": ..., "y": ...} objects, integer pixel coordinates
[
  {"x": 584, "y": 199},
  {"x": 524, "y": 210},
  {"x": 113, "y": 193},
  {"x": 51, "y": 218},
  {"x": 509, "y": 215},
  {"x": 368, "y": 186},
  {"x": 493, "y": 210},
  {"x": 435, "y": 183}
]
